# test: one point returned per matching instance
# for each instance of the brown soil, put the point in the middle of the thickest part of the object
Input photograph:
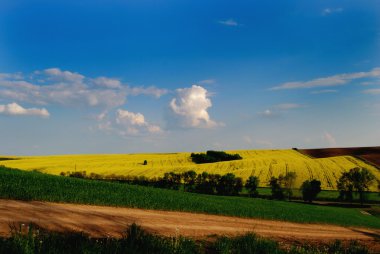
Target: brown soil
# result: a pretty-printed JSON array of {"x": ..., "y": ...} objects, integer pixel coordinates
[
  {"x": 100, "y": 221},
  {"x": 370, "y": 154}
]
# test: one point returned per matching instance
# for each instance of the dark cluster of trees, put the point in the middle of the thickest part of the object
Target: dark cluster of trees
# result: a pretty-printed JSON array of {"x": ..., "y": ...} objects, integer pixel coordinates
[
  {"x": 283, "y": 186},
  {"x": 213, "y": 156},
  {"x": 356, "y": 180},
  {"x": 205, "y": 183}
]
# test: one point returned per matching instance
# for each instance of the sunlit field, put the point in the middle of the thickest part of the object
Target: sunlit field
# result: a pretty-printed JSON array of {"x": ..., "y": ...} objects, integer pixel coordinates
[{"x": 261, "y": 163}]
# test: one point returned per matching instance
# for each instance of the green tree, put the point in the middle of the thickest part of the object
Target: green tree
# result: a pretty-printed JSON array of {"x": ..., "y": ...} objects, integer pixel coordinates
[
  {"x": 276, "y": 188},
  {"x": 189, "y": 178},
  {"x": 229, "y": 185},
  {"x": 357, "y": 179},
  {"x": 288, "y": 182},
  {"x": 310, "y": 189},
  {"x": 251, "y": 184}
]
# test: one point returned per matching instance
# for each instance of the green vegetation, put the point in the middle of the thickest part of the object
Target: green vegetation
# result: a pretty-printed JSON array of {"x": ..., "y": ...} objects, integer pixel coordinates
[
  {"x": 357, "y": 179},
  {"x": 251, "y": 185},
  {"x": 30, "y": 239},
  {"x": 23, "y": 185},
  {"x": 213, "y": 156},
  {"x": 310, "y": 190}
]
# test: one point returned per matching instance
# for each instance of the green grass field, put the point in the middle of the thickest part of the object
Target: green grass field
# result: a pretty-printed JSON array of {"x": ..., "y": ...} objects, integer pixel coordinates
[{"x": 18, "y": 184}]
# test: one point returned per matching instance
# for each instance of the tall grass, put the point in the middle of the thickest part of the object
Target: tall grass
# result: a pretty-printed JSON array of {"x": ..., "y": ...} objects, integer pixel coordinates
[
  {"x": 23, "y": 185},
  {"x": 136, "y": 240}
]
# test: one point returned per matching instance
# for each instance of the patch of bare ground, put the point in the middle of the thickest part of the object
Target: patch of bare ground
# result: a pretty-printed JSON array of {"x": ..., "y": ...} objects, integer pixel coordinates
[
  {"x": 369, "y": 154},
  {"x": 101, "y": 221}
]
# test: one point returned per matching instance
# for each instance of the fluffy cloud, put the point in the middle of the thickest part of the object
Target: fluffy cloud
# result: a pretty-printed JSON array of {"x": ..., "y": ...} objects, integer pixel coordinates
[
  {"x": 13, "y": 109},
  {"x": 107, "y": 82},
  {"x": 189, "y": 108},
  {"x": 335, "y": 80},
  {"x": 54, "y": 86},
  {"x": 134, "y": 123},
  {"x": 228, "y": 22}
]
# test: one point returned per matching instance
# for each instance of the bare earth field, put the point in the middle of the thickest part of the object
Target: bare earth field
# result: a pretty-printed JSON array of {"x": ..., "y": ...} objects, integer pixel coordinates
[
  {"x": 99, "y": 221},
  {"x": 370, "y": 154}
]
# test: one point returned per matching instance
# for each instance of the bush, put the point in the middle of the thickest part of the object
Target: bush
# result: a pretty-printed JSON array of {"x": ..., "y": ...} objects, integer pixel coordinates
[
  {"x": 229, "y": 185},
  {"x": 310, "y": 190},
  {"x": 277, "y": 191},
  {"x": 251, "y": 185}
]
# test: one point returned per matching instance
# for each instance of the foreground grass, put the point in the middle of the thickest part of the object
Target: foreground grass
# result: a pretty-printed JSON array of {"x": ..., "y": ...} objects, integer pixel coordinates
[
  {"x": 23, "y": 185},
  {"x": 28, "y": 239}
]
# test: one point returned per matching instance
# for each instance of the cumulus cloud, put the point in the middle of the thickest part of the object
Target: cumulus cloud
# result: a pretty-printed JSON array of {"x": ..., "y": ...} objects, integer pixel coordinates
[
  {"x": 58, "y": 75},
  {"x": 107, "y": 82},
  {"x": 13, "y": 109},
  {"x": 335, "y": 80},
  {"x": 268, "y": 113},
  {"x": 189, "y": 108},
  {"x": 329, "y": 139},
  {"x": 228, "y": 22},
  {"x": 54, "y": 86},
  {"x": 134, "y": 123}
]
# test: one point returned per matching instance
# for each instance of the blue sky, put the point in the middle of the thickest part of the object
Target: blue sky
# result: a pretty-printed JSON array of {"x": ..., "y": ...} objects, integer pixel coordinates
[{"x": 165, "y": 76}]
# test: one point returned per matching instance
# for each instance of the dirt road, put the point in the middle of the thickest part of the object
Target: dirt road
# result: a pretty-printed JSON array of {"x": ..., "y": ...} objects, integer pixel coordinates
[{"x": 102, "y": 221}]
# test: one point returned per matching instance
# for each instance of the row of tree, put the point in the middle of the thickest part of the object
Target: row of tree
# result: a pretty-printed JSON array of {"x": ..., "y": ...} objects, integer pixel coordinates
[{"x": 356, "y": 180}]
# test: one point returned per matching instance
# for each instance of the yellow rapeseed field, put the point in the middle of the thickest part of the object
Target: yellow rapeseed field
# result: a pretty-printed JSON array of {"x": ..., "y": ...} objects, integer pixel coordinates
[{"x": 261, "y": 163}]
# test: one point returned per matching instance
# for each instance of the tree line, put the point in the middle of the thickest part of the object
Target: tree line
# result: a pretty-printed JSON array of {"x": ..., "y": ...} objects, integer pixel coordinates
[{"x": 356, "y": 180}]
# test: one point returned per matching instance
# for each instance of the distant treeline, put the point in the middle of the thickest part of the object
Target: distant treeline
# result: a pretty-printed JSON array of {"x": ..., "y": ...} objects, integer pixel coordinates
[
  {"x": 213, "y": 156},
  {"x": 214, "y": 184}
]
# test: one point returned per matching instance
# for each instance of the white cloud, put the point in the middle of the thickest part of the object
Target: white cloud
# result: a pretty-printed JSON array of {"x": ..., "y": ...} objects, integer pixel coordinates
[
  {"x": 268, "y": 113},
  {"x": 324, "y": 91},
  {"x": 229, "y": 22},
  {"x": 54, "y": 86},
  {"x": 151, "y": 91},
  {"x": 374, "y": 91},
  {"x": 13, "y": 109},
  {"x": 189, "y": 108},
  {"x": 287, "y": 106},
  {"x": 335, "y": 80},
  {"x": 108, "y": 82},
  {"x": 134, "y": 123},
  {"x": 279, "y": 109},
  {"x": 329, "y": 11},
  {"x": 329, "y": 139},
  {"x": 58, "y": 75}
]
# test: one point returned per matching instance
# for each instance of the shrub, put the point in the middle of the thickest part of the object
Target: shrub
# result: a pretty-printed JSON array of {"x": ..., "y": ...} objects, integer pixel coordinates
[
  {"x": 277, "y": 191},
  {"x": 251, "y": 185},
  {"x": 229, "y": 185},
  {"x": 310, "y": 190}
]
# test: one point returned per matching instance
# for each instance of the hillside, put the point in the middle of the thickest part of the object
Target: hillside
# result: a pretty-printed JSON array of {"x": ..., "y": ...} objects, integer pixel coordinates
[{"x": 261, "y": 163}]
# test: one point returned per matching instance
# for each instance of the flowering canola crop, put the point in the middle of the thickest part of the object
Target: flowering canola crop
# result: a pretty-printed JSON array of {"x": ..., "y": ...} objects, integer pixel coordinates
[{"x": 261, "y": 163}]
